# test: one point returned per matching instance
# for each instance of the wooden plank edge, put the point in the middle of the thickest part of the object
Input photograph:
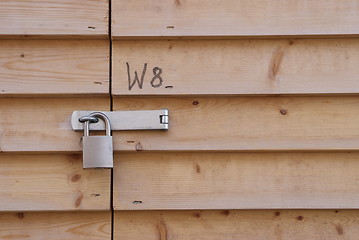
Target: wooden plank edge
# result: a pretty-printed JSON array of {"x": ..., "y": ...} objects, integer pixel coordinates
[
  {"x": 214, "y": 94},
  {"x": 230, "y": 37},
  {"x": 134, "y": 151},
  {"x": 56, "y": 95},
  {"x": 54, "y": 36}
]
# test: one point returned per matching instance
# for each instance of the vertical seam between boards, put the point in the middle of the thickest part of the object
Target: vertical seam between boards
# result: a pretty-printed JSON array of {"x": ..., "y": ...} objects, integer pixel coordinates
[{"x": 111, "y": 109}]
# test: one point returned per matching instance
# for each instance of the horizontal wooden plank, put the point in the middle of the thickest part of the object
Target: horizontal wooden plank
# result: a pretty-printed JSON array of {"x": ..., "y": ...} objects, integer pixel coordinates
[
  {"x": 51, "y": 182},
  {"x": 206, "y": 123},
  {"x": 231, "y": 18},
  {"x": 56, "y": 225},
  {"x": 246, "y": 123},
  {"x": 88, "y": 18},
  {"x": 228, "y": 67},
  {"x": 236, "y": 181},
  {"x": 225, "y": 224},
  {"x": 54, "y": 67},
  {"x": 43, "y": 124}
]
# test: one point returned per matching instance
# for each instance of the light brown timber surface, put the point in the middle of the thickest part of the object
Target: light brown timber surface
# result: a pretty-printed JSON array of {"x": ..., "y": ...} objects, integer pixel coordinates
[
  {"x": 43, "y": 124},
  {"x": 55, "y": 226},
  {"x": 177, "y": 181},
  {"x": 203, "y": 123},
  {"x": 246, "y": 123},
  {"x": 49, "y": 18},
  {"x": 51, "y": 182},
  {"x": 229, "y": 224},
  {"x": 232, "y": 67},
  {"x": 39, "y": 67},
  {"x": 232, "y": 18}
]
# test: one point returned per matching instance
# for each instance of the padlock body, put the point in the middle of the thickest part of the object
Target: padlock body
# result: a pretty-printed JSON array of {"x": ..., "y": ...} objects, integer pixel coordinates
[{"x": 97, "y": 152}]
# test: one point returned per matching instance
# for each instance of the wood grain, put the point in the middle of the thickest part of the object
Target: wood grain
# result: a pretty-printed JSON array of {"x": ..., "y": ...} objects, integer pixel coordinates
[
  {"x": 43, "y": 124},
  {"x": 232, "y": 67},
  {"x": 44, "y": 18},
  {"x": 55, "y": 225},
  {"x": 176, "y": 181},
  {"x": 246, "y": 123},
  {"x": 231, "y": 18},
  {"x": 41, "y": 67},
  {"x": 51, "y": 182},
  {"x": 226, "y": 224}
]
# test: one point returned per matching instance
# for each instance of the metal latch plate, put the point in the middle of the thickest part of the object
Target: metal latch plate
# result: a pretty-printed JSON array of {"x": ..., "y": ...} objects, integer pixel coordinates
[{"x": 126, "y": 120}]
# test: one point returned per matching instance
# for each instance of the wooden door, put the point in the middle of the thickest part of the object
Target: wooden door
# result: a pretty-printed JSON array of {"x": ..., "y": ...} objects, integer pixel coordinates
[
  {"x": 54, "y": 59},
  {"x": 263, "y": 109},
  {"x": 263, "y": 132}
]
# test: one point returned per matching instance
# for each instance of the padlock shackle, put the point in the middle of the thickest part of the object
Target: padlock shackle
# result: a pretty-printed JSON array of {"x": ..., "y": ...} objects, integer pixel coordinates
[{"x": 101, "y": 116}]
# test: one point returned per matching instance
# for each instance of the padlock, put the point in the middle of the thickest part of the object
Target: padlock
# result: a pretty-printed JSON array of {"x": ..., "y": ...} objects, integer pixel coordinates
[{"x": 97, "y": 150}]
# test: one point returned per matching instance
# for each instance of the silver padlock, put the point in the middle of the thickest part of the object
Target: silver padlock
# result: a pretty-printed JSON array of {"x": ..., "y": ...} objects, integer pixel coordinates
[{"x": 97, "y": 150}]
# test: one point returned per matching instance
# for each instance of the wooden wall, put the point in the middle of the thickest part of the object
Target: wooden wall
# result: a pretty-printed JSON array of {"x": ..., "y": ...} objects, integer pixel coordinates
[
  {"x": 263, "y": 132},
  {"x": 54, "y": 59}
]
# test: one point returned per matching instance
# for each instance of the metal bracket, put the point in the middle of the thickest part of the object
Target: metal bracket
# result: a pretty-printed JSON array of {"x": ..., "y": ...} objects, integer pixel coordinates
[{"x": 125, "y": 120}]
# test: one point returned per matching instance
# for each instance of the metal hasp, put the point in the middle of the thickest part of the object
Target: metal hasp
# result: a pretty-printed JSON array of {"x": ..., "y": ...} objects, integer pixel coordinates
[{"x": 125, "y": 120}]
